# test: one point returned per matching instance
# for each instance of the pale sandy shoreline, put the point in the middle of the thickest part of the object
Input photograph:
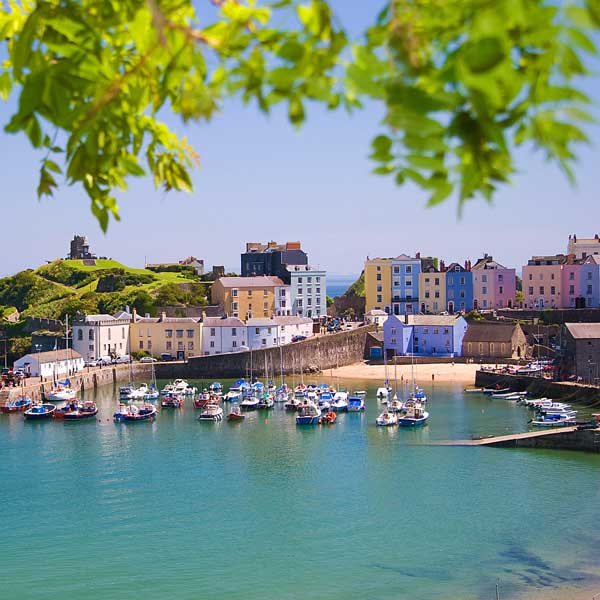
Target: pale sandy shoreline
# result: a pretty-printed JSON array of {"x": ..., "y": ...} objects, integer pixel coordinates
[
  {"x": 424, "y": 373},
  {"x": 566, "y": 593}
]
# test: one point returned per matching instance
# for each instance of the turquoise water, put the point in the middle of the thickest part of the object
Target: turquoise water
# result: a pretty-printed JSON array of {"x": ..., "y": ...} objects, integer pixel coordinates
[{"x": 263, "y": 509}]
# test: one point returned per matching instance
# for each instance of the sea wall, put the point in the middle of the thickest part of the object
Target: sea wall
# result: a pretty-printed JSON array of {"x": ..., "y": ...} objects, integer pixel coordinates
[
  {"x": 308, "y": 356},
  {"x": 583, "y": 440},
  {"x": 88, "y": 378},
  {"x": 587, "y": 395}
]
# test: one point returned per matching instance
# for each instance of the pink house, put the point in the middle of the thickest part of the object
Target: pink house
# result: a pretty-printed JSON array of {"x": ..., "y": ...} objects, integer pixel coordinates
[
  {"x": 571, "y": 282},
  {"x": 543, "y": 281},
  {"x": 494, "y": 286}
]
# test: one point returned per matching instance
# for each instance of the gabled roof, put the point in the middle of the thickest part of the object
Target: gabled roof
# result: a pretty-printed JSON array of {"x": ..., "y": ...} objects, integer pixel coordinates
[
  {"x": 592, "y": 259},
  {"x": 261, "y": 322},
  {"x": 432, "y": 320},
  {"x": 260, "y": 281},
  {"x": 52, "y": 355},
  {"x": 489, "y": 331},
  {"x": 376, "y": 312},
  {"x": 452, "y": 267},
  {"x": 588, "y": 331}
]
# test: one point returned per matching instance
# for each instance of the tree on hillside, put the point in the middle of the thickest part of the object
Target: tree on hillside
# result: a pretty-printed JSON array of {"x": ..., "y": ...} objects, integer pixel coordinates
[{"x": 462, "y": 82}]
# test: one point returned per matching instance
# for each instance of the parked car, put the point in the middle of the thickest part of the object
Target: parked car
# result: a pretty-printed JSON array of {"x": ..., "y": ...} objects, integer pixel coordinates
[
  {"x": 147, "y": 359},
  {"x": 165, "y": 356},
  {"x": 298, "y": 338},
  {"x": 122, "y": 359}
]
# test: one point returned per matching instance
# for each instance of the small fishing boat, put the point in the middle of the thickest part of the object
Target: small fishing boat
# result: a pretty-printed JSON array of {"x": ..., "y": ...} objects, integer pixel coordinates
[
  {"x": 282, "y": 394},
  {"x": 356, "y": 404},
  {"x": 415, "y": 415},
  {"x": 76, "y": 411},
  {"x": 172, "y": 401},
  {"x": 506, "y": 394},
  {"x": 125, "y": 391},
  {"x": 40, "y": 411},
  {"x": 204, "y": 399},
  {"x": 565, "y": 419},
  {"x": 360, "y": 393},
  {"x": 151, "y": 393},
  {"x": 325, "y": 400},
  {"x": 498, "y": 390},
  {"x": 387, "y": 419},
  {"x": 236, "y": 391},
  {"x": 395, "y": 405},
  {"x": 132, "y": 412},
  {"x": 266, "y": 402},
  {"x": 168, "y": 389},
  {"x": 190, "y": 390},
  {"x": 328, "y": 418},
  {"x": 18, "y": 405},
  {"x": 473, "y": 390},
  {"x": 211, "y": 412},
  {"x": 293, "y": 403},
  {"x": 249, "y": 403},
  {"x": 308, "y": 414},
  {"x": 340, "y": 402},
  {"x": 236, "y": 414},
  {"x": 216, "y": 388}
]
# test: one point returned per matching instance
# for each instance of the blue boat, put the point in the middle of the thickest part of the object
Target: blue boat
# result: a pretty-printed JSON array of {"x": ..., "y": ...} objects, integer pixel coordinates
[
  {"x": 40, "y": 411},
  {"x": 18, "y": 405},
  {"x": 356, "y": 404},
  {"x": 415, "y": 416},
  {"x": 308, "y": 414}
]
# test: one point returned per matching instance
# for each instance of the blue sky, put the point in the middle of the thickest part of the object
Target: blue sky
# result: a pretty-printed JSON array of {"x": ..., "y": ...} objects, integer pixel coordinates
[{"x": 262, "y": 179}]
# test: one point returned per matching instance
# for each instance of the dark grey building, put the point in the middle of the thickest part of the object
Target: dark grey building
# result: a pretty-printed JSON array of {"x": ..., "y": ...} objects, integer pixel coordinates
[
  {"x": 272, "y": 259},
  {"x": 80, "y": 249},
  {"x": 581, "y": 352}
]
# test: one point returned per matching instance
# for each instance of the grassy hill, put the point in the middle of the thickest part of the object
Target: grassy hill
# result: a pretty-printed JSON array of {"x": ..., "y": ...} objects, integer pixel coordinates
[{"x": 69, "y": 286}]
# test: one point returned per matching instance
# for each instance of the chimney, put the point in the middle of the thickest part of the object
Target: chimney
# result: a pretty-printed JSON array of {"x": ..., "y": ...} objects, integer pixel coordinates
[
  {"x": 406, "y": 318},
  {"x": 466, "y": 265},
  {"x": 127, "y": 308},
  {"x": 134, "y": 314},
  {"x": 442, "y": 266},
  {"x": 163, "y": 316},
  {"x": 574, "y": 237},
  {"x": 418, "y": 255},
  {"x": 203, "y": 315}
]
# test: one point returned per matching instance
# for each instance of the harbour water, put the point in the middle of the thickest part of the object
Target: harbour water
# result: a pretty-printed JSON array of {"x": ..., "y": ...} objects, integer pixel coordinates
[{"x": 264, "y": 509}]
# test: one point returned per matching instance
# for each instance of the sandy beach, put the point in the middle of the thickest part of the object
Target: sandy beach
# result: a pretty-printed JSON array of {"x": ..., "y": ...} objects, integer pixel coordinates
[{"x": 441, "y": 373}]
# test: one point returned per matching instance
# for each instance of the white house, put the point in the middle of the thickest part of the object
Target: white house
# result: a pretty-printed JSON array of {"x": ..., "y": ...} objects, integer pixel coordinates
[
  {"x": 308, "y": 288},
  {"x": 221, "y": 335},
  {"x": 376, "y": 316},
  {"x": 102, "y": 335},
  {"x": 55, "y": 363},
  {"x": 262, "y": 333},
  {"x": 289, "y": 327},
  {"x": 283, "y": 300}
]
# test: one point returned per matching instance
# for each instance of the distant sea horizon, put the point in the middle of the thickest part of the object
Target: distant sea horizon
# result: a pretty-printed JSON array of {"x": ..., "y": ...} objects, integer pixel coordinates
[{"x": 337, "y": 284}]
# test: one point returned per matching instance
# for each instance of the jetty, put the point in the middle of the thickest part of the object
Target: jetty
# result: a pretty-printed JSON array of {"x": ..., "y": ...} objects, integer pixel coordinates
[{"x": 566, "y": 438}]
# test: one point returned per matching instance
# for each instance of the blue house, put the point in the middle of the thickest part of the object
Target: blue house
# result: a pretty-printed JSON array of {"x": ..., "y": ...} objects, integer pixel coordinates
[
  {"x": 424, "y": 335},
  {"x": 459, "y": 289},
  {"x": 590, "y": 281},
  {"x": 405, "y": 285}
]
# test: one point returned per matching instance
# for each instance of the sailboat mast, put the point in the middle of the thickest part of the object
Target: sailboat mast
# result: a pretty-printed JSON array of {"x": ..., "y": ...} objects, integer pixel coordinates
[{"x": 281, "y": 363}]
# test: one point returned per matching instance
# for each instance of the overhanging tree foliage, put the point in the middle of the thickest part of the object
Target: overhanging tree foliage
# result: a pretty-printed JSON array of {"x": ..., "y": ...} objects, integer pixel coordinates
[{"x": 463, "y": 83}]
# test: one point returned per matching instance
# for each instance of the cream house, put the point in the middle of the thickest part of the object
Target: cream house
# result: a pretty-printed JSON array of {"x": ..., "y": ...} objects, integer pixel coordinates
[{"x": 96, "y": 336}]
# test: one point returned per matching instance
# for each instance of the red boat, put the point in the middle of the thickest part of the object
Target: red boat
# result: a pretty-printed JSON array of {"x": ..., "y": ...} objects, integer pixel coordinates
[
  {"x": 172, "y": 401},
  {"x": 204, "y": 399},
  {"x": 75, "y": 411},
  {"x": 18, "y": 405},
  {"x": 236, "y": 414},
  {"x": 328, "y": 418}
]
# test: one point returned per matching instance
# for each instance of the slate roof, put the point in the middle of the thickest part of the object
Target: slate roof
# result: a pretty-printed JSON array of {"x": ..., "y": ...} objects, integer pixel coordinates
[
  {"x": 256, "y": 281},
  {"x": 219, "y": 322},
  {"x": 52, "y": 355},
  {"x": 584, "y": 331},
  {"x": 489, "y": 331}
]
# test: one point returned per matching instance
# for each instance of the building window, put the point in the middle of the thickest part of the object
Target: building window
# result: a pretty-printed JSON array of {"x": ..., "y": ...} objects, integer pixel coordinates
[
  {"x": 265, "y": 293},
  {"x": 409, "y": 308},
  {"x": 437, "y": 294},
  {"x": 318, "y": 279},
  {"x": 212, "y": 344},
  {"x": 234, "y": 306},
  {"x": 257, "y": 330},
  {"x": 462, "y": 293},
  {"x": 589, "y": 290},
  {"x": 190, "y": 333},
  {"x": 234, "y": 331},
  {"x": 462, "y": 281},
  {"x": 408, "y": 283},
  {"x": 551, "y": 275},
  {"x": 541, "y": 290},
  {"x": 396, "y": 269},
  {"x": 179, "y": 345},
  {"x": 379, "y": 288},
  {"x": 179, "y": 332},
  {"x": 318, "y": 290},
  {"x": 408, "y": 269},
  {"x": 264, "y": 341},
  {"x": 91, "y": 347},
  {"x": 426, "y": 279},
  {"x": 91, "y": 335},
  {"x": 378, "y": 276},
  {"x": 530, "y": 276},
  {"x": 149, "y": 344},
  {"x": 436, "y": 331},
  {"x": 425, "y": 330},
  {"x": 122, "y": 333},
  {"x": 299, "y": 279},
  {"x": 141, "y": 332},
  {"x": 169, "y": 333},
  {"x": 393, "y": 331},
  {"x": 299, "y": 291},
  {"x": 426, "y": 294},
  {"x": 169, "y": 345},
  {"x": 141, "y": 344},
  {"x": 190, "y": 345},
  {"x": 213, "y": 332},
  {"x": 393, "y": 341},
  {"x": 379, "y": 299},
  {"x": 266, "y": 305},
  {"x": 446, "y": 330},
  {"x": 589, "y": 274},
  {"x": 437, "y": 281},
  {"x": 234, "y": 292},
  {"x": 450, "y": 281},
  {"x": 109, "y": 334},
  {"x": 530, "y": 291},
  {"x": 501, "y": 289},
  {"x": 484, "y": 279},
  {"x": 552, "y": 290},
  {"x": 80, "y": 335},
  {"x": 234, "y": 344}
]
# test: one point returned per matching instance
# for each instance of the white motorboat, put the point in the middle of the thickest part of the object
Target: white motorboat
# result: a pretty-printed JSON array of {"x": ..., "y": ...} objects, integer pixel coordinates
[
  {"x": 387, "y": 419},
  {"x": 356, "y": 404},
  {"x": 340, "y": 402},
  {"x": 383, "y": 392},
  {"x": 249, "y": 403},
  {"x": 564, "y": 419},
  {"x": 212, "y": 412}
]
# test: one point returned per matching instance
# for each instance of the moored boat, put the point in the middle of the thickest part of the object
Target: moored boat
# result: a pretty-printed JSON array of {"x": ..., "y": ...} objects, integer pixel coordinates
[
  {"x": 236, "y": 414},
  {"x": 387, "y": 419},
  {"x": 40, "y": 411},
  {"x": 172, "y": 401},
  {"x": 564, "y": 419},
  {"x": 249, "y": 403},
  {"x": 498, "y": 390},
  {"x": 340, "y": 402},
  {"x": 328, "y": 418},
  {"x": 211, "y": 412},
  {"x": 356, "y": 404},
  {"x": 415, "y": 415},
  {"x": 76, "y": 411},
  {"x": 62, "y": 392},
  {"x": 308, "y": 414},
  {"x": 266, "y": 401},
  {"x": 18, "y": 405},
  {"x": 132, "y": 412}
]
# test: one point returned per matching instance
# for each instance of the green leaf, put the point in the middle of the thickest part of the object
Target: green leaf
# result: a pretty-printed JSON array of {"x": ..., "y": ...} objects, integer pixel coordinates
[
  {"x": 296, "y": 111},
  {"x": 444, "y": 189},
  {"x": 485, "y": 54},
  {"x": 291, "y": 51}
]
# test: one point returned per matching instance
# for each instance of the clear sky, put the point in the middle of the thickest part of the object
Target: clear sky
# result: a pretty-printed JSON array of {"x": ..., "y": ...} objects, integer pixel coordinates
[{"x": 262, "y": 179}]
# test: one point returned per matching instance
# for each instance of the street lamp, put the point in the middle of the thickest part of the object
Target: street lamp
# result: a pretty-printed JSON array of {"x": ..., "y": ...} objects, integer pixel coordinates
[{"x": 38, "y": 347}]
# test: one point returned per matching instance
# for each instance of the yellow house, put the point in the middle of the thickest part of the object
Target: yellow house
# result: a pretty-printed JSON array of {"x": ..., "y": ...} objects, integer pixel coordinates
[
  {"x": 378, "y": 283},
  {"x": 181, "y": 337},
  {"x": 432, "y": 291},
  {"x": 249, "y": 297}
]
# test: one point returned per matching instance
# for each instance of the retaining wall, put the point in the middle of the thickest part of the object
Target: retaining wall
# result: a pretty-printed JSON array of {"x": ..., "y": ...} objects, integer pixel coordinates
[
  {"x": 585, "y": 440},
  {"x": 312, "y": 355}
]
